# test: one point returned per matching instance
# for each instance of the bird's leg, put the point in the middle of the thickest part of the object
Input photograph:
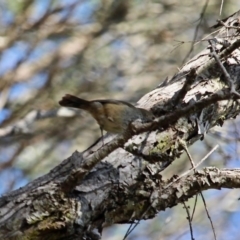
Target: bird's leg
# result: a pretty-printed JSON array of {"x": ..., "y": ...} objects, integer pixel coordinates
[{"x": 102, "y": 136}]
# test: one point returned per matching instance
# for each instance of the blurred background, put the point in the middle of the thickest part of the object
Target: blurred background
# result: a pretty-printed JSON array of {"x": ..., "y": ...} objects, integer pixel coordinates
[{"x": 104, "y": 49}]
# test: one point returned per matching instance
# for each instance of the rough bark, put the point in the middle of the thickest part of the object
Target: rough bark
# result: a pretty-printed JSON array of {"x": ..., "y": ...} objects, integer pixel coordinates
[{"x": 121, "y": 181}]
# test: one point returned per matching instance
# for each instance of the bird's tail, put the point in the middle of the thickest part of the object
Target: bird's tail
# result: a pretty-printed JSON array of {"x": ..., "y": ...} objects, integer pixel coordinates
[{"x": 72, "y": 101}]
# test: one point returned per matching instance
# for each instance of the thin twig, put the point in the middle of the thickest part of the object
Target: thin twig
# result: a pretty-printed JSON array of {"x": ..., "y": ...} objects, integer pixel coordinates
[
  {"x": 189, "y": 220},
  {"x": 130, "y": 229},
  {"x": 196, "y": 30},
  {"x": 226, "y": 26},
  {"x": 223, "y": 54},
  {"x": 220, "y": 12},
  {"x": 226, "y": 74},
  {"x": 194, "y": 207},
  {"x": 205, "y": 205},
  {"x": 187, "y": 172},
  {"x": 184, "y": 145}
]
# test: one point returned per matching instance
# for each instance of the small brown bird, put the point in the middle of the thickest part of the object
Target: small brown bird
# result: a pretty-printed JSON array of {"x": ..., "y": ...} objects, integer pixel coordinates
[{"x": 112, "y": 116}]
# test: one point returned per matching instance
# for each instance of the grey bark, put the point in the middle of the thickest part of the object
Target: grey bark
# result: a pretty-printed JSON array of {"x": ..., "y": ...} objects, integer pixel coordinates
[{"x": 121, "y": 181}]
